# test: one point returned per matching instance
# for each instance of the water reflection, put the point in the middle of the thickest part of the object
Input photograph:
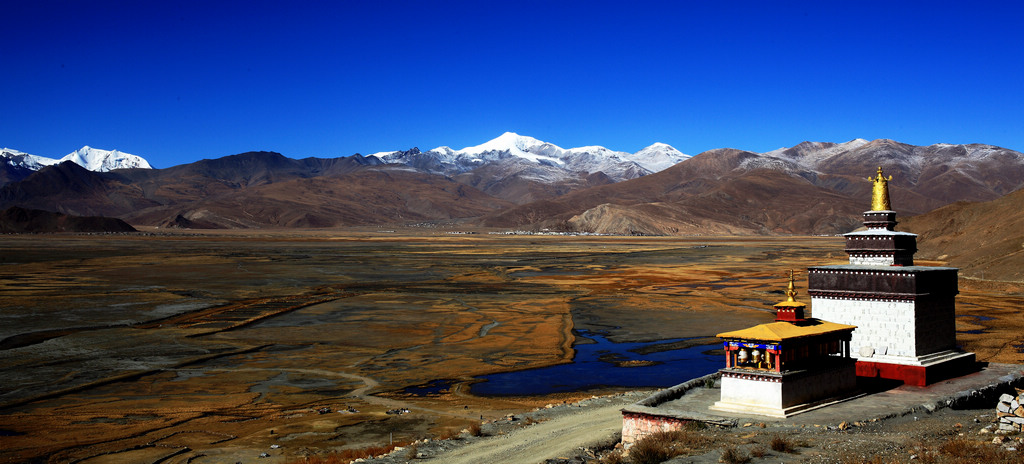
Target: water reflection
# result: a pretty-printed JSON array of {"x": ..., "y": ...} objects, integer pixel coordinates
[{"x": 606, "y": 364}]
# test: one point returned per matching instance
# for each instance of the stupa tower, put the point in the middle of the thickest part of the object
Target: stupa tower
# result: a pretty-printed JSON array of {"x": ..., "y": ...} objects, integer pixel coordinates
[{"x": 905, "y": 314}]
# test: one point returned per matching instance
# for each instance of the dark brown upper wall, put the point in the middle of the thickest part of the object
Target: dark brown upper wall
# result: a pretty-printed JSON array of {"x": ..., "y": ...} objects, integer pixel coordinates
[{"x": 896, "y": 282}]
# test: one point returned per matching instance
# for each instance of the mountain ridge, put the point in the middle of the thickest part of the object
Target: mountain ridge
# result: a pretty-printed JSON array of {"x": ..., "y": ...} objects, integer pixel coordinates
[
  {"x": 93, "y": 159},
  {"x": 810, "y": 188}
]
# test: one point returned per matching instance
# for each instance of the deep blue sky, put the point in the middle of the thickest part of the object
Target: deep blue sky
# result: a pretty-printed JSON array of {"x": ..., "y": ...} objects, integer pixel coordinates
[{"x": 178, "y": 81}]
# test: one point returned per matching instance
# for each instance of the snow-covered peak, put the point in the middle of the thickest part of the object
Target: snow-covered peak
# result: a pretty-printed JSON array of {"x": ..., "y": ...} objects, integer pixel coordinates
[
  {"x": 595, "y": 149},
  {"x": 537, "y": 159},
  {"x": 518, "y": 145},
  {"x": 95, "y": 159},
  {"x": 658, "y": 157},
  {"x": 26, "y": 160},
  {"x": 382, "y": 155}
]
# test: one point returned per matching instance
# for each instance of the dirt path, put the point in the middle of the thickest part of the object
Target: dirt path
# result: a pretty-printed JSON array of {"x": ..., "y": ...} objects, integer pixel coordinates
[{"x": 559, "y": 436}]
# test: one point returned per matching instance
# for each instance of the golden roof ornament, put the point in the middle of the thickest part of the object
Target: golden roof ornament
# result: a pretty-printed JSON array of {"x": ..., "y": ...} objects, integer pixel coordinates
[
  {"x": 791, "y": 288},
  {"x": 880, "y": 192},
  {"x": 790, "y": 310}
]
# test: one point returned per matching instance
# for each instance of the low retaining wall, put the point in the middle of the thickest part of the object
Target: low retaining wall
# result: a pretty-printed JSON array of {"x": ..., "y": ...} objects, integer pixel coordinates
[{"x": 637, "y": 424}]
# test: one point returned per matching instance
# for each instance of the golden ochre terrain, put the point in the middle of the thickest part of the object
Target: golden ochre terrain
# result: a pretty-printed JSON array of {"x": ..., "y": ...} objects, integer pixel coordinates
[{"x": 213, "y": 347}]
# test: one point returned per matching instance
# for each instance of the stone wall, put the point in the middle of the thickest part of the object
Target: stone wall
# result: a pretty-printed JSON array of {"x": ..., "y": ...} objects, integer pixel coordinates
[{"x": 1011, "y": 412}]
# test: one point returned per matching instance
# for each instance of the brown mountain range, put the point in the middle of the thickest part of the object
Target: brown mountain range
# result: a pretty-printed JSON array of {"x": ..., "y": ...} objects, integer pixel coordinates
[
  {"x": 981, "y": 238},
  {"x": 15, "y": 220},
  {"x": 811, "y": 188},
  {"x": 364, "y": 196},
  {"x": 253, "y": 190}
]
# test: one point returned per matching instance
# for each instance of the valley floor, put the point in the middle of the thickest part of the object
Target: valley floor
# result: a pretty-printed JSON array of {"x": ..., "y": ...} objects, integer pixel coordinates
[{"x": 182, "y": 346}]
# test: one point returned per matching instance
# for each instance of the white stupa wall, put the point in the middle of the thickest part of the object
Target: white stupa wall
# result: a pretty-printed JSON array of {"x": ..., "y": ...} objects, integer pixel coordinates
[{"x": 883, "y": 327}]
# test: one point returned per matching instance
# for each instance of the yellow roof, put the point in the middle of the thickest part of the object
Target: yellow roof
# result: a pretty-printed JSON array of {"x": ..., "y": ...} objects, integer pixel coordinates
[{"x": 782, "y": 330}]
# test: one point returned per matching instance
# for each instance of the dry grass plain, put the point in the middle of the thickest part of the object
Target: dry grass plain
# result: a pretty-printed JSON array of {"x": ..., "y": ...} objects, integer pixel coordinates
[{"x": 212, "y": 347}]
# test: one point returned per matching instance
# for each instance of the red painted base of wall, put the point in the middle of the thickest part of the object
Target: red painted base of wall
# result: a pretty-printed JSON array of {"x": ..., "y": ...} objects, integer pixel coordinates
[
  {"x": 916, "y": 375},
  {"x": 637, "y": 425}
]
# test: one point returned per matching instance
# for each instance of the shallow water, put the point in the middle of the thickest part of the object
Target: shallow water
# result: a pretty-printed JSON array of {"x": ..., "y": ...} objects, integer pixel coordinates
[{"x": 598, "y": 364}]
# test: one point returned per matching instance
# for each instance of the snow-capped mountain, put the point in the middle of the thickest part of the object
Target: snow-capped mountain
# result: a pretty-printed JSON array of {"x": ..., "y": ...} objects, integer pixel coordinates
[
  {"x": 658, "y": 157},
  {"x": 538, "y": 159},
  {"x": 909, "y": 162},
  {"x": 95, "y": 159},
  {"x": 90, "y": 158},
  {"x": 25, "y": 160}
]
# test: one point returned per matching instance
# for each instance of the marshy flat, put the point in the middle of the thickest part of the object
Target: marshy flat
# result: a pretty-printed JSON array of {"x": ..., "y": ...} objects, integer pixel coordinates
[{"x": 223, "y": 343}]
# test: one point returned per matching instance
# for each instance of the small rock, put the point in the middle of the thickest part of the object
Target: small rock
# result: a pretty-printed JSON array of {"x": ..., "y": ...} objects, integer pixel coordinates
[
  {"x": 958, "y": 425},
  {"x": 748, "y": 424},
  {"x": 984, "y": 431},
  {"x": 762, "y": 425},
  {"x": 844, "y": 425},
  {"x": 997, "y": 440}
]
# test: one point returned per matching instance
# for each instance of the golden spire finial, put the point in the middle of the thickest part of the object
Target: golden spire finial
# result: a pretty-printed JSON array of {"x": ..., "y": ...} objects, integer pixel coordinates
[
  {"x": 880, "y": 192},
  {"x": 791, "y": 288}
]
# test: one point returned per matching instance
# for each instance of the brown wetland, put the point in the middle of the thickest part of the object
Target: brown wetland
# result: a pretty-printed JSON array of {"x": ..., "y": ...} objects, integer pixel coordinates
[{"x": 138, "y": 347}]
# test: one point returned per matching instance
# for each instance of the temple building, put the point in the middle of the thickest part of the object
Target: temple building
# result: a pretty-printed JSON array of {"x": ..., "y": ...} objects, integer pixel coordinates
[
  {"x": 788, "y": 366},
  {"x": 905, "y": 314},
  {"x": 880, "y": 316}
]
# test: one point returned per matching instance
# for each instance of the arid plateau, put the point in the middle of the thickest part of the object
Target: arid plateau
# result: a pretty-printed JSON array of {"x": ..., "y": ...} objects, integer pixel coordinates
[{"x": 206, "y": 347}]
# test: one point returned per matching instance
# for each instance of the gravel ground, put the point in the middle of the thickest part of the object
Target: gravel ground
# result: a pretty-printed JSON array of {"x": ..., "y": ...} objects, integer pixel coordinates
[{"x": 588, "y": 431}]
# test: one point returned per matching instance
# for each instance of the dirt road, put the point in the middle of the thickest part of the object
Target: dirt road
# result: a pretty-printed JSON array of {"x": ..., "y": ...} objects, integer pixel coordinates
[{"x": 552, "y": 438}]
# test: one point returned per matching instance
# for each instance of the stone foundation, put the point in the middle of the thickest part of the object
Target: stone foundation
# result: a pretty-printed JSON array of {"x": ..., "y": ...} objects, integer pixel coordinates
[
  {"x": 922, "y": 371},
  {"x": 786, "y": 394}
]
